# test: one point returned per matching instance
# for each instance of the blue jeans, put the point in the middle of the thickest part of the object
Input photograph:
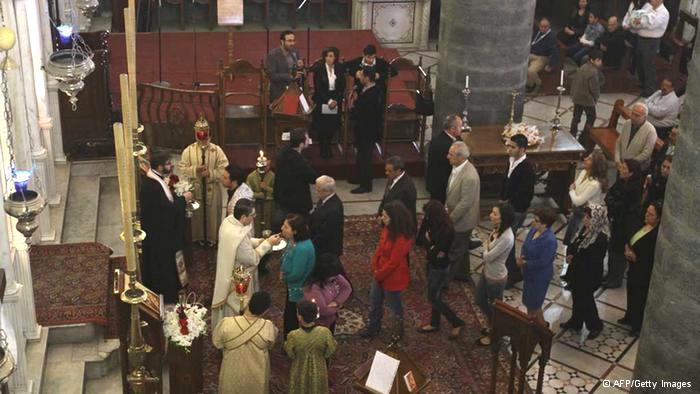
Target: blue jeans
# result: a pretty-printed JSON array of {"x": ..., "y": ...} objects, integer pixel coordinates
[
  {"x": 486, "y": 293},
  {"x": 376, "y": 310},
  {"x": 437, "y": 278}
]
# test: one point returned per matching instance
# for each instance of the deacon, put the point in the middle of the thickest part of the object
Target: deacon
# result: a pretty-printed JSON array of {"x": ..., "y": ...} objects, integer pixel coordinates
[
  {"x": 237, "y": 248},
  {"x": 203, "y": 163},
  {"x": 262, "y": 182},
  {"x": 162, "y": 218}
]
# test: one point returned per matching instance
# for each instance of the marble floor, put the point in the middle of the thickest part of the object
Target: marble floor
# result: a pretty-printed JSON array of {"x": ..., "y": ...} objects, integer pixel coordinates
[{"x": 577, "y": 365}]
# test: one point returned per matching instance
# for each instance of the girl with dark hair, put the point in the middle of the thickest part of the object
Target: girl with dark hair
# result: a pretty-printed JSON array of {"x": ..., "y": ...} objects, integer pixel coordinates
[
  {"x": 537, "y": 261},
  {"x": 624, "y": 202},
  {"x": 589, "y": 188},
  {"x": 297, "y": 263},
  {"x": 329, "y": 91},
  {"x": 309, "y": 347},
  {"x": 585, "y": 271},
  {"x": 495, "y": 274},
  {"x": 576, "y": 25},
  {"x": 639, "y": 252},
  {"x": 655, "y": 184},
  {"x": 328, "y": 288},
  {"x": 390, "y": 267},
  {"x": 437, "y": 234}
]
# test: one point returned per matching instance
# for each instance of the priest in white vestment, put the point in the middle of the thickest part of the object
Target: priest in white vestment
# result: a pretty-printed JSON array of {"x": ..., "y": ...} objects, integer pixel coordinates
[
  {"x": 246, "y": 342},
  {"x": 237, "y": 248},
  {"x": 203, "y": 163}
]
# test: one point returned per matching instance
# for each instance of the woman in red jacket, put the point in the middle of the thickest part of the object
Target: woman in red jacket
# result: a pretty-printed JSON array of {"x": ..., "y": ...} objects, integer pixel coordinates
[{"x": 390, "y": 267}]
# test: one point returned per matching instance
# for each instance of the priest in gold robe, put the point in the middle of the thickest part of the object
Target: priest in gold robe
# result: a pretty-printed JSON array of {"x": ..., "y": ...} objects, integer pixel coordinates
[
  {"x": 246, "y": 342},
  {"x": 202, "y": 163},
  {"x": 237, "y": 248}
]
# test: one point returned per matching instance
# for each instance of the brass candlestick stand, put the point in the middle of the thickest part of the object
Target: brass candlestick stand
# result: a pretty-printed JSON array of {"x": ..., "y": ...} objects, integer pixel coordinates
[
  {"x": 465, "y": 121},
  {"x": 514, "y": 93},
  {"x": 138, "y": 350},
  {"x": 556, "y": 122}
]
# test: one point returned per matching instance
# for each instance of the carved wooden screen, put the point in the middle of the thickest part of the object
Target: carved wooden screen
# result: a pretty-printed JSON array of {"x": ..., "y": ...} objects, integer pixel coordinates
[
  {"x": 243, "y": 93},
  {"x": 168, "y": 115},
  {"x": 401, "y": 123}
]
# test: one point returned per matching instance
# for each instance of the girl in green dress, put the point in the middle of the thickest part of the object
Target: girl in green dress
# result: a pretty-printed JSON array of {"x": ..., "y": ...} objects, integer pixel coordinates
[{"x": 309, "y": 347}]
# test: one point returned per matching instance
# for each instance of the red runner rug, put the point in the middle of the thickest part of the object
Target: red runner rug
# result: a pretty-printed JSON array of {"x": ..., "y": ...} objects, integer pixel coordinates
[{"x": 70, "y": 283}]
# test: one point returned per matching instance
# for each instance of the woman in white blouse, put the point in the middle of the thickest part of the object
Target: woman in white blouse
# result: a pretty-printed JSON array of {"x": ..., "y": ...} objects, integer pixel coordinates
[
  {"x": 329, "y": 92},
  {"x": 495, "y": 274},
  {"x": 589, "y": 188}
]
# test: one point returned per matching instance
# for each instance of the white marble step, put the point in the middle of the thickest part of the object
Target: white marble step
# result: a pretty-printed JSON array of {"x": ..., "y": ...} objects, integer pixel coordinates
[
  {"x": 36, "y": 359},
  {"x": 109, "y": 221},
  {"x": 80, "y": 220},
  {"x": 62, "y": 375}
]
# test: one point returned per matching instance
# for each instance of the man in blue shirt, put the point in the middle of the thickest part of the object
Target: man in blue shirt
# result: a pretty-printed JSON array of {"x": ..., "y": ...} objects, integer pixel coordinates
[{"x": 544, "y": 53}]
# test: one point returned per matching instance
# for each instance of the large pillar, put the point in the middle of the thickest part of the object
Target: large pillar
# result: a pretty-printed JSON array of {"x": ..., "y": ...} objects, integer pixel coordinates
[
  {"x": 669, "y": 348},
  {"x": 489, "y": 41}
]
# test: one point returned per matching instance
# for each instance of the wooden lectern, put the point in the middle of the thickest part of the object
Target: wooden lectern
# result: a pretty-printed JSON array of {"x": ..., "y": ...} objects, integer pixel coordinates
[
  {"x": 525, "y": 333},
  {"x": 152, "y": 328},
  {"x": 288, "y": 112},
  {"x": 406, "y": 365}
]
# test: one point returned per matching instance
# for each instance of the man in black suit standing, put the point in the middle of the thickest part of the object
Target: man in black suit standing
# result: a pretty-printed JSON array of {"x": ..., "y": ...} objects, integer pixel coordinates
[
  {"x": 293, "y": 175},
  {"x": 367, "y": 118},
  {"x": 327, "y": 219},
  {"x": 518, "y": 189},
  {"x": 439, "y": 168},
  {"x": 281, "y": 63},
  {"x": 369, "y": 58},
  {"x": 399, "y": 186}
]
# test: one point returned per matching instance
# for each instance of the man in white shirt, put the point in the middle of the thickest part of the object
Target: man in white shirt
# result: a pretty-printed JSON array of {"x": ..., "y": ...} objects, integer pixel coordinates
[
  {"x": 664, "y": 107},
  {"x": 649, "y": 24}
]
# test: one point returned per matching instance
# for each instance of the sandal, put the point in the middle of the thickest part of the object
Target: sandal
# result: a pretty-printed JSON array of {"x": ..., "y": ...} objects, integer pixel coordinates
[
  {"x": 454, "y": 333},
  {"x": 484, "y": 341},
  {"x": 485, "y": 331}
]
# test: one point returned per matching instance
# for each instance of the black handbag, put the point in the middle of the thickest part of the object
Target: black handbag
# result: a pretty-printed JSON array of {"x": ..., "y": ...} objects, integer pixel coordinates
[{"x": 424, "y": 104}]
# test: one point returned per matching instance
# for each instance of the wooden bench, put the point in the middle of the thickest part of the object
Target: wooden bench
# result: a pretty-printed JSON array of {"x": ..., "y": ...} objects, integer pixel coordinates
[{"x": 606, "y": 136}]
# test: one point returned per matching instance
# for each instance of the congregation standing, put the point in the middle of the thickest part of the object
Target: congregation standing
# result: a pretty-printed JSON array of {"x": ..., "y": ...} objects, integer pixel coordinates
[{"x": 620, "y": 222}]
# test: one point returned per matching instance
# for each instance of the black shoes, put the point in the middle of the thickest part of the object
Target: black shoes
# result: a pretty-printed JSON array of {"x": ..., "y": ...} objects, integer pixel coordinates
[
  {"x": 569, "y": 325},
  {"x": 594, "y": 334},
  {"x": 624, "y": 321},
  {"x": 367, "y": 333},
  {"x": 353, "y": 181},
  {"x": 361, "y": 190}
]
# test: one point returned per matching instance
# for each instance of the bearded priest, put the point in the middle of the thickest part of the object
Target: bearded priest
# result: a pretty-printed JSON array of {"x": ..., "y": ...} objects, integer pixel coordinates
[
  {"x": 237, "y": 248},
  {"x": 203, "y": 163}
]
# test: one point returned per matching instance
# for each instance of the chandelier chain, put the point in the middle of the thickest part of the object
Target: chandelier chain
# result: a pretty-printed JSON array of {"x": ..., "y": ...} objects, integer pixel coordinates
[{"x": 8, "y": 118}]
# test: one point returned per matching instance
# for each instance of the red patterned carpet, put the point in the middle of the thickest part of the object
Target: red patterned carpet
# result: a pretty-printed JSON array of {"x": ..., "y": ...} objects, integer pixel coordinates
[
  {"x": 455, "y": 366},
  {"x": 70, "y": 283}
]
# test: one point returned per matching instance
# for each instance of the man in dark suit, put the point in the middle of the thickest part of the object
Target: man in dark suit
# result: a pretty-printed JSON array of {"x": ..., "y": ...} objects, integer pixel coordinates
[
  {"x": 327, "y": 219},
  {"x": 368, "y": 119},
  {"x": 281, "y": 63},
  {"x": 439, "y": 168},
  {"x": 162, "y": 218},
  {"x": 369, "y": 58},
  {"x": 518, "y": 189},
  {"x": 293, "y": 175},
  {"x": 399, "y": 186}
]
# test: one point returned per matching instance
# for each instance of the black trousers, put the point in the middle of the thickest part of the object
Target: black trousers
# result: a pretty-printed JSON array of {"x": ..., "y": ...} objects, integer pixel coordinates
[
  {"x": 646, "y": 51},
  {"x": 515, "y": 274},
  {"x": 290, "y": 317},
  {"x": 437, "y": 278},
  {"x": 585, "y": 310},
  {"x": 585, "y": 137},
  {"x": 363, "y": 161},
  {"x": 637, "y": 292}
]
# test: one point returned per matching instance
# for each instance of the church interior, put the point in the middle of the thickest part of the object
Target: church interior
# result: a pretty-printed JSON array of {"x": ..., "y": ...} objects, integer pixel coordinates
[{"x": 111, "y": 284}]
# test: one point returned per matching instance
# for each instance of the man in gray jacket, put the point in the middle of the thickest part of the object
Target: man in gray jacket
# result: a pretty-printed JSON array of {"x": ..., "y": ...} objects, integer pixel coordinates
[
  {"x": 462, "y": 205},
  {"x": 637, "y": 139},
  {"x": 585, "y": 90},
  {"x": 281, "y": 63}
]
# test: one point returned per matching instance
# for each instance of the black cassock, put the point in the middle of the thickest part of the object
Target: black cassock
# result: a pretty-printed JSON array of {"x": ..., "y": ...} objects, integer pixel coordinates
[{"x": 163, "y": 221}]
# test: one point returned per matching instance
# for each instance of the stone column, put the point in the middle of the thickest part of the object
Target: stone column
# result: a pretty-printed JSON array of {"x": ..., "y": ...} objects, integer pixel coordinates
[
  {"x": 28, "y": 35},
  {"x": 668, "y": 347},
  {"x": 489, "y": 41}
]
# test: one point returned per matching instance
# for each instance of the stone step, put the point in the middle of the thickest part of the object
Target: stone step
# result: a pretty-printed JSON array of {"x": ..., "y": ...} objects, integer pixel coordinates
[
  {"x": 75, "y": 333},
  {"x": 62, "y": 374},
  {"x": 36, "y": 359},
  {"x": 109, "y": 221},
  {"x": 80, "y": 218}
]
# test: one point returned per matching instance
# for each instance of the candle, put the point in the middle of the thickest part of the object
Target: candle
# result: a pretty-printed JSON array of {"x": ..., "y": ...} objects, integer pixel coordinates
[
  {"x": 127, "y": 224},
  {"x": 561, "y": 78},
  {"x": 262, "y": 154},
  {"x": 128, "y": 142},
  {"x": 466, "y": 82}
]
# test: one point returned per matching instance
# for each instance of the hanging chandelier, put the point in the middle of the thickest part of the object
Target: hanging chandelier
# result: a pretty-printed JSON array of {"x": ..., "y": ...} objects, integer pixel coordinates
[
  {"x": 23, "y": 204},
  {"x": 87, "y": 7},
  {"x": 71, "y": 66}
]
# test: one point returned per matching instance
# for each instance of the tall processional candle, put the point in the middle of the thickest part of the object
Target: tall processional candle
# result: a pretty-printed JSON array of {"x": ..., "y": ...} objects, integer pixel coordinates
[
  {"x": 122, "y": 175},
  {"x": 128, "y": 117}
]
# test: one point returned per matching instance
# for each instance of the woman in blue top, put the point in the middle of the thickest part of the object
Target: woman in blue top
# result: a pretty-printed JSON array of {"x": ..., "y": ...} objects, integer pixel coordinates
[
  {"x": 537, "y": 261},
  {"x": 297, "y": 263}
]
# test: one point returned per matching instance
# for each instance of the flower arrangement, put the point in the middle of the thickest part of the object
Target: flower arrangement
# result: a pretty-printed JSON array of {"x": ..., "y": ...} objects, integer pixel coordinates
[
  {"x": 186, "y": 322},
  {"x": 531, "y": 132},
  {"x": 182, "y": 186}
]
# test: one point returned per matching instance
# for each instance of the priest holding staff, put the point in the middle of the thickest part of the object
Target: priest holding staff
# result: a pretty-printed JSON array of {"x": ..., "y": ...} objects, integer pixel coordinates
[
  {"x": 203, "y": 163},
  {"x": 237, "y": 248}
]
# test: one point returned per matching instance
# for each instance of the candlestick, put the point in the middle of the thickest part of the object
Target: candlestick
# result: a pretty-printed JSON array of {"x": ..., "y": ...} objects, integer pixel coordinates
[
  {"x": 556, "y": 122},
  {"x": 465, "y": 120},
  {"x": 561, "y": 78},
  {"x": 515, "y": 94}
]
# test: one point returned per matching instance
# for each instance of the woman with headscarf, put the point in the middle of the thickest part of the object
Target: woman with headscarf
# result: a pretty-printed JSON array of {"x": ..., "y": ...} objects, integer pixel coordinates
[{"x": 585, "y": 257}]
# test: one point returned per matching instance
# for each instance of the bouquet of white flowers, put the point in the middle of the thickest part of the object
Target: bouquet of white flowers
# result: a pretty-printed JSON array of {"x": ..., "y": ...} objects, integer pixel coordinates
[
  {"x": 531, "y": 132},
  {"x": 182, "y": 186},
  {"x": 186, "y": 322}
]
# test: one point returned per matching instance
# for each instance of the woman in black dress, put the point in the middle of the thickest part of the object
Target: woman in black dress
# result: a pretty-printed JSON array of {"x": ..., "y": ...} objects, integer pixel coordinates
[
  {"x": 585, "y": 257},
  {"x": 329, "y": 92},
  {"x": 639, "y": 252},
  {"x": 655, "y": 185},
  {"x": 624, "y": 200},
  {"x": 576, "y": 25}
]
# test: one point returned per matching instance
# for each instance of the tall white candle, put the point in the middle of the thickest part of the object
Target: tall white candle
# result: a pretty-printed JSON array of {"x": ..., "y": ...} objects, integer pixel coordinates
[
  {"x": 466, "y": 82},
  {"x": 561, "y": 78}
]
